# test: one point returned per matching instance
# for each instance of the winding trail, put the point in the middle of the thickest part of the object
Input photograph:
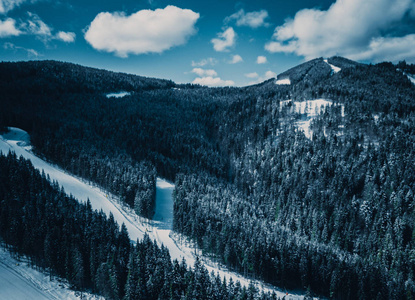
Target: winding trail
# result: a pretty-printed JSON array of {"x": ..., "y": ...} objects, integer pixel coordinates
[{"x": 159, "y": 229}]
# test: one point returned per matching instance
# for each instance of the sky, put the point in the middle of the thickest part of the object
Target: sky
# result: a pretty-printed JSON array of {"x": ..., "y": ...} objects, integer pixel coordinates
[{"x": 214, "y": 43}]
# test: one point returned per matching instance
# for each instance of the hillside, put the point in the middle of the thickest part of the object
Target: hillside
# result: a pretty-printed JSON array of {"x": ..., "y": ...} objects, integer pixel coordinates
[{"x": 320, "y": 167}]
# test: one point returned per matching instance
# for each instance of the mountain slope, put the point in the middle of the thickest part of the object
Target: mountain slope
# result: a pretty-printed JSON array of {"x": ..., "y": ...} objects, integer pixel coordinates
[{"x": 323, "y": 207}]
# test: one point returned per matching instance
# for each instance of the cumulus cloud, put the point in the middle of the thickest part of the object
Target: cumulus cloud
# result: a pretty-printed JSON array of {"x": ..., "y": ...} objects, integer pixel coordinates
[
  {"x": 253, "y": 19},
  {"x": 213, "y": 81},
  {"x": 67, "y": 37},
  {"x": 236, "y": 59},
  {"x": 225, "y": 40},
  {"x": 352, "y": 28},
  {"x": 145, "y": 31},
  {"x": 207, "y": 61},
  {"x": 8, "y": 28},
  {"x": 261, "y": 60},
  {"x": 252, "y": 75},
  {"x": 202, "y": 72}
]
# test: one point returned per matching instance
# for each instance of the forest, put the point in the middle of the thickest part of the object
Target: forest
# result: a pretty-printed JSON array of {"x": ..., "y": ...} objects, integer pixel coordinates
[{"x": 333, "y": 214}]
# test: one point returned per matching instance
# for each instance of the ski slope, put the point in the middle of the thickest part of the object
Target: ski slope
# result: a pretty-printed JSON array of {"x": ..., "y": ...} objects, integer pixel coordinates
[{"x": 160, "y": 229}]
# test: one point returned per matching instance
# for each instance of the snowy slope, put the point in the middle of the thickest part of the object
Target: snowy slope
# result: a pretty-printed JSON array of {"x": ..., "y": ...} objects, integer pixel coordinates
[
  {"x": 19, "y": 281},
  {"x": 333, "y": 67},
  {"x": 159, "y": 229}
]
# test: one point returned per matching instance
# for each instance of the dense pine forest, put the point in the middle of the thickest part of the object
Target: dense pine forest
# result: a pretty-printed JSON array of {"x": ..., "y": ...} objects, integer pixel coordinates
[{"x": 332, "y": 213}]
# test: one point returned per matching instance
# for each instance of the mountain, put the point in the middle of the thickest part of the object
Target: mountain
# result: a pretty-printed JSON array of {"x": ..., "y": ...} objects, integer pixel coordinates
[{"x": 306, "y": 183}]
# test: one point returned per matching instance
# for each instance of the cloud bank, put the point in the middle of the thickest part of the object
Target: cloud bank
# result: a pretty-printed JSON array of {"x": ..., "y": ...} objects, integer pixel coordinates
[
  {"x": 360, "y": 30},
  {"x": 213, "y": 81},
  {"x": 225, "y": 40},
  {"x": 202, "y": 72},
  {"x": 253, "y": 19},
  {"x": 145, "y": 31}
]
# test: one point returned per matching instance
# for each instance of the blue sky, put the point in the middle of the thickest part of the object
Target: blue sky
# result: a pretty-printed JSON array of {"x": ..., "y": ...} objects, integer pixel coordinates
[{"x": 207, "y": 42}]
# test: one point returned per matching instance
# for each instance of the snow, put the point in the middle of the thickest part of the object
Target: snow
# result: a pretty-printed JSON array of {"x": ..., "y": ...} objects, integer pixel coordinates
[
  {"x": 159, "y": 229},
  {"x": 118, "y": 95},
  {"x": 282, "y": 81},
  {"x": 308, "y": 109},
  {"x": 19, "y": 281},
  {"x": 411, "y": 77},
  {"x": 334, "y": 68}
]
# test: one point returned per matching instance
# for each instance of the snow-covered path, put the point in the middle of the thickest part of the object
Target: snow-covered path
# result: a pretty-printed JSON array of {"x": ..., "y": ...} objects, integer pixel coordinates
[
  {"x": 160, "y": 229},
  {"x": 18, "y": 281}
]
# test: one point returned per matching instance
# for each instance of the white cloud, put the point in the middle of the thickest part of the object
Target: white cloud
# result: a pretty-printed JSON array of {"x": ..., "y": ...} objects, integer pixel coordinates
[
  {"x": 253, "y": 19},
  {"x": 266, "y": 76},
  {"x": 37, "y": 27},
  {"x": 202, "y": 72},
  {"x": 30, "y": 52},
  {"x": 348, "y": 28},
  {"x": 236, "y": 59},
  {"x": 67, "y": 37},
  {"x": 8, "y": 28},
  {"x": 8, "y": 5},
  {"x": 145, "y": 31},
  {"x": 252, "y": 75},
  {"x": 207, "y": 61},
  {"x": 225, "y": 40},
  {"x": 261, "y": 60},
  {"x": 213, "y": 81}
]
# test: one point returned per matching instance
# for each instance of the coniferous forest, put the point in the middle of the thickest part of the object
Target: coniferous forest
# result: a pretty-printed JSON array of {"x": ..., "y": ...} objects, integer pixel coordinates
[{"x": 332, "y": 213}]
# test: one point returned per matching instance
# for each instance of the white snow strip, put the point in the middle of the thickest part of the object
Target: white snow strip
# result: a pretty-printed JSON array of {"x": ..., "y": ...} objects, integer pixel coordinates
[
  {"x": 411, "y": 77},
  {"x": 19, "y": 281},
  {"x": 283, "y": 81},
  {"x": 118, "y": 95},
  {"x": 159, "y": 229},
  {"x": 333, "y": 67}
]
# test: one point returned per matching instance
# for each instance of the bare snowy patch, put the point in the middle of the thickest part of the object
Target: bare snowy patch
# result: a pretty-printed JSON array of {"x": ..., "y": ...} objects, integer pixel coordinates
[
  {"x": 118, "y": 95},
  {"x": 283, "y": 81},
  {"x": 308, "y": 110}
]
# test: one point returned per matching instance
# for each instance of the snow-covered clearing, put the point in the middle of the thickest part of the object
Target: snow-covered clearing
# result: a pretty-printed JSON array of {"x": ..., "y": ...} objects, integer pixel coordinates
[
  {"x": 19, "y": 281},
  {"x": 308, "y": 110},
  {"x": 118, "y": 95},
  {"x": 333, "y": 67},
  {"x": 160, "y": 229},
  {"x": 282, "y": 81}
]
